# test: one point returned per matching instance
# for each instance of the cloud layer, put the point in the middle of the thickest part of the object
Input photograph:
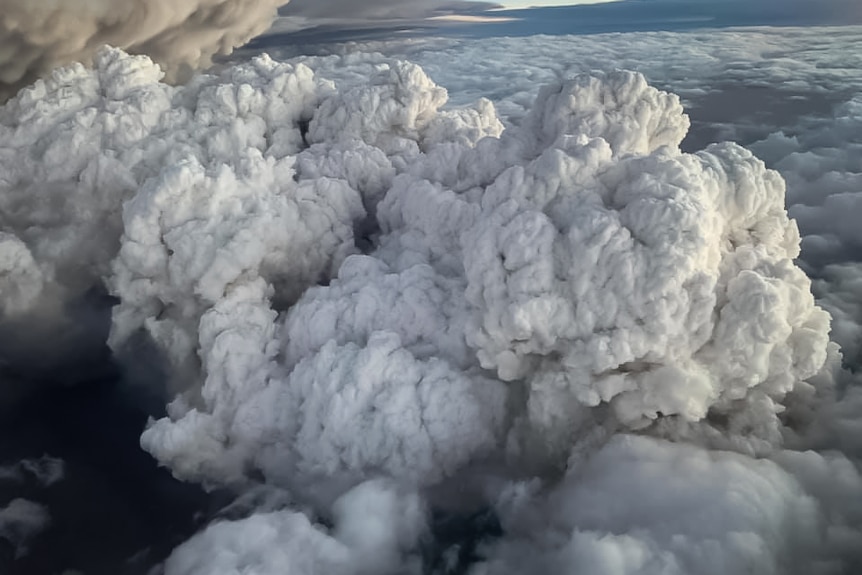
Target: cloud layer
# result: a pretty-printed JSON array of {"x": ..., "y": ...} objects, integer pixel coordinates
[{"x": 344, "y": 10}]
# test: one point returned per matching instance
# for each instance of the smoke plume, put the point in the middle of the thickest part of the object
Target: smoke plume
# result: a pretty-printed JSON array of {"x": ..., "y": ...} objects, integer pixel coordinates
[
  {"x": 182, "y": 36},
  {"x": 369, "y": 297}
]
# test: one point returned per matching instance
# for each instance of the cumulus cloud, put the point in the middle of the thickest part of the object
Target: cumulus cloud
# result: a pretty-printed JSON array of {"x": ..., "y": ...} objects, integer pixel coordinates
[
  {"x": 790, "y": 98},
  {"x": 543, "y": 257},
  {"x": 22, "y": 281},
  {"x": 351, "y": 279},
  {"x": 376, "y": 530},
  {"x": 644, "y": 506}
]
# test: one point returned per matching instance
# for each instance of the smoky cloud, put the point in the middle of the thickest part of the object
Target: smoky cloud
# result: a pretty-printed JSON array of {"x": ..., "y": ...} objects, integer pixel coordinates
[
  {"x": 599, "y": 349},
  {"x": 38, "y": 35},
  {"x": 182, "y": 36},
  {"x": 369, "y": 299}
]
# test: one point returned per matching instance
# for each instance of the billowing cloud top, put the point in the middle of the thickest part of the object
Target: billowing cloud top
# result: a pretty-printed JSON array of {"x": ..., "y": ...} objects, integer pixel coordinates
[{"x": 353, "y": 280}]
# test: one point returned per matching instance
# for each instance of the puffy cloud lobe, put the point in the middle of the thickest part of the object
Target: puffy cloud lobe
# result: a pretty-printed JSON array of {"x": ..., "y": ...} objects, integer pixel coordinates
[
  {"x": 380, "y": 408},
  {"x": 376, "y": 527},
  {"x": 202, "y": 179},
  {"x": 740, "y": 85},
  {"x": 423, "y": 308},
  {"x": 196, "y": 235},
  {"x": 620, "y": 108},
  {"x": 636, "y": 281},
  {"x": 640, "y": 505},
  {"x": 21, "y": 280},
  {"x": 344, "y": 411},
  {"x": 242, "y": 384},
  {"x": 381, "y": 523},
  {"x": 398, "y": 105},
  {"x": 36, "y": 36},
  {"x": 237, "y": 356},
  {"x": 824, "y": 176},
  {"x": 217, "y": 225},
  {"x": 262, "y": 543},
  {"x": 108, "y": 143},
  {"x": 816, "y": 152}
]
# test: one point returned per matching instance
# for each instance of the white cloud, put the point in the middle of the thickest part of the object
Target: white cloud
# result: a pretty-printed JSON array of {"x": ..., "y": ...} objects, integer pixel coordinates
[
  {"x": 21, "y": 281},
  {"x": 790, "y": 95},
  {"x": 376, "y": 531},
  {"x": 641, "y": 506}
]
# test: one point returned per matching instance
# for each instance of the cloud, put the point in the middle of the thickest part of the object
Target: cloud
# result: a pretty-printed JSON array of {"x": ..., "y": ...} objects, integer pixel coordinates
[
  {"x": 182, "y": 36},
  {"x": 376, "y": 530},
  {"x": 789, "y": 97},
  {"x": 22, "y": 281},
  {"x": 20, "y": 521},
  {"x": 670, "y": 347},
  {"x": 644, "y": 506},
  {"x": 46, "y": 471},
  {"x": 366, "y": 295},
  {"x": 825, "y": 180}
]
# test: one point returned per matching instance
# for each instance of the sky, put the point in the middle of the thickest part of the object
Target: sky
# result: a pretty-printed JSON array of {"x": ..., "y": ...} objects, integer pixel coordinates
[{"x": 529, "y": 3}]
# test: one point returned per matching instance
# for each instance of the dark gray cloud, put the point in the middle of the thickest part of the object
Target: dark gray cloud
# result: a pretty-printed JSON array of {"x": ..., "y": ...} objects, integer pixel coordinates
[{"x": 38, "y": 35}]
